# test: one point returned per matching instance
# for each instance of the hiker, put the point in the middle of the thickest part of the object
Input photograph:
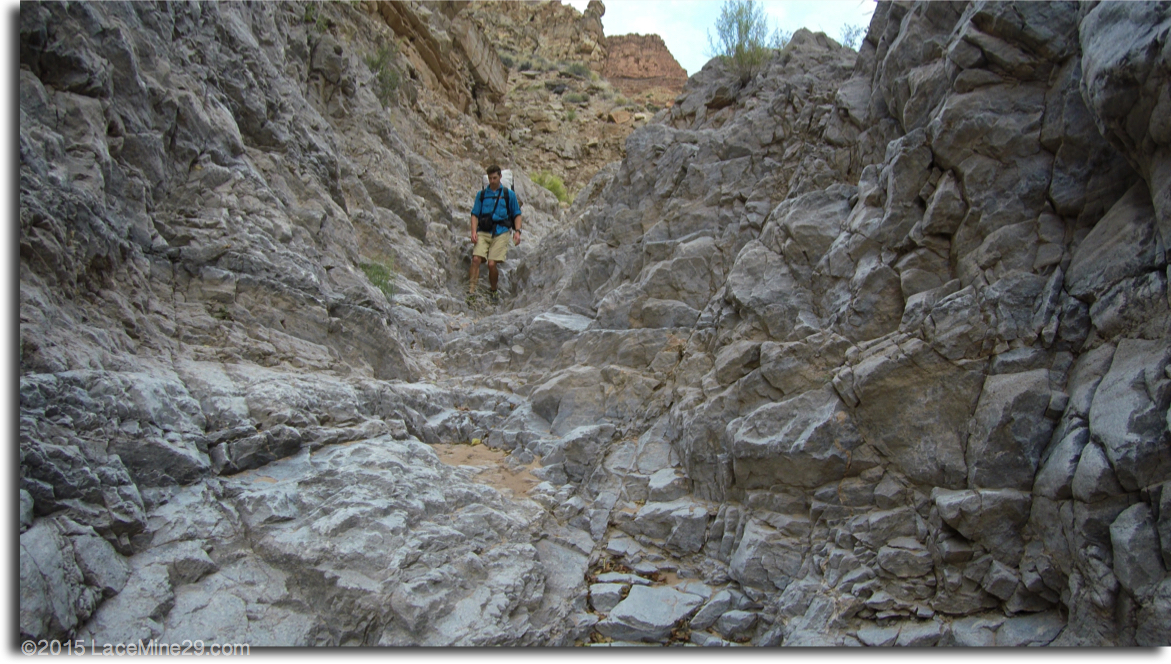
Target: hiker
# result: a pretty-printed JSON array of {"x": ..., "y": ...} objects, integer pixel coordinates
[{"x": 495, "y": 218}]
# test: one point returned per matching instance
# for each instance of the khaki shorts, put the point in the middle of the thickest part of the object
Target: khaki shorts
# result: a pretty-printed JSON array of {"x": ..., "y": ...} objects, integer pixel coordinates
[{"x": 491, "y": 248}]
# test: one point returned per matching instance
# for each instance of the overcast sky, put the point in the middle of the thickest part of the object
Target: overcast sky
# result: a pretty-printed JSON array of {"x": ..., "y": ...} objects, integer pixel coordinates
[{"x": 684, "y": 24}]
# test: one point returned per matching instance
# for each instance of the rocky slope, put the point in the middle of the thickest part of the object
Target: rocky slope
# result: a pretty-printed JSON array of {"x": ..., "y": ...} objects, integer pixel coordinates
[{"x": 871, "y": 350}]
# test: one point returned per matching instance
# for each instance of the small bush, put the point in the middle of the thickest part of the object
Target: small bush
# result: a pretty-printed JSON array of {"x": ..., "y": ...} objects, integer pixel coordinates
[
  {"x": 653, "y": 108},
  {"x": 578, "y": 69},
  {"x": 314, "y": 15},
  {"x": 571, "y": 115},
  {"x": 554, "y": 184},
  {"x": 386, "y": 79},
  {"x": 852, "y": 36},
  {"x": 741, "y": 35},
  {"x": 576, "y": 98},
  {"x": 508, "y": 62},
  {"x": 780, "y": 38},
  {"x": 381, "y": 274},
  {"x": 621, "y": 101}
]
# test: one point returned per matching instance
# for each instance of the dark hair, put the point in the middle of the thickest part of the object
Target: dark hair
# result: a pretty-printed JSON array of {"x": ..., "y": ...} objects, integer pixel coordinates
[{"x": 492, "y": 169}]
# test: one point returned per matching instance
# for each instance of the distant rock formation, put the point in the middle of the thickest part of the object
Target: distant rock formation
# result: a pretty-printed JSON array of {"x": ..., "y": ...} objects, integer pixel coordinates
[
  {"x": 638, "y": 63},
  {"x": 544, "y": 29}
]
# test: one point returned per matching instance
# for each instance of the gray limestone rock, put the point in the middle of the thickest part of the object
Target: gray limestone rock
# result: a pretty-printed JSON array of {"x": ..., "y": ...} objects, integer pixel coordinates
[
  {"x": 1128, "y": 414},
  {"x": 927, "y": 446},
  {"x": 101, "y": 565},
  {"x": 766, "y": 558},
  {"x": 1055, "y": 478},
  {"x": 1163, "y": 527},
  {"x": 666, "y": 485},
  {"x": 1037, "y": 629},
  {"x": 1138, "y": 562},
  {"x": 1009, "y": 430},
  {"x": 735, "y": 360},
  {"x": 656, "y": 313},
  {"x": 680, "y": 524},
  {"x": 26, "y": 510},
  {"x": 920, "y": 634},
  {"x": 735, "y": 623},
  {"x": 1153, "y": 616},
  {"x": 905, "y": 557},
  {"x": 878, "y": 637},
  {"x": 622, "y": 578},
  {"x": 1094, "y": 479},
  {"x": 976, "y": 631},
  {"x": 54, "y": 598},
  {"x": 805, "y": 441},
  {"x": 716, "y": 606},
  {"x": 648, "y": 614},
  {"x": 605, "y": 596},
  {"x": 993, "y": 518},
  {"x": 761, "y": 284}
]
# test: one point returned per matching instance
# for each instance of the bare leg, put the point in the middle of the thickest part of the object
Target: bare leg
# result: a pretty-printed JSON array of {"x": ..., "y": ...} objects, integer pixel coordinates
[
  {"x": 493, "y": 275},
  {"x": 474, "y": 274}
]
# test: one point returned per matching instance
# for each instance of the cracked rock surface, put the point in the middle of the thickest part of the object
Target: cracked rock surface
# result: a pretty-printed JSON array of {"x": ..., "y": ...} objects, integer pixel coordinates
[{"x": 871, "y": 349}]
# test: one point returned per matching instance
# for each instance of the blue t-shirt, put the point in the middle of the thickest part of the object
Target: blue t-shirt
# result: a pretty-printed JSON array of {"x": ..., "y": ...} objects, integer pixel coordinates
[{"x": 508, "y": 207}]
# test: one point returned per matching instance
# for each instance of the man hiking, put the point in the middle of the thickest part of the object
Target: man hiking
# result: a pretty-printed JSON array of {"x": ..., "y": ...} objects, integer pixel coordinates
[{"x": 495, "y": 219}]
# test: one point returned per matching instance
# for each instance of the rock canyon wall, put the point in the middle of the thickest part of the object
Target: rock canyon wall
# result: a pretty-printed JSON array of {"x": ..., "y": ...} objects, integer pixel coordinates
[
  {"x": 638, "y": 64},
  {"x": 874, "y": 349}
]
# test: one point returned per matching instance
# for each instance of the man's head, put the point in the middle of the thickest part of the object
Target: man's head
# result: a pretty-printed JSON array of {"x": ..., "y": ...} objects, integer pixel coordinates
[{"x": 493, "y": 176}]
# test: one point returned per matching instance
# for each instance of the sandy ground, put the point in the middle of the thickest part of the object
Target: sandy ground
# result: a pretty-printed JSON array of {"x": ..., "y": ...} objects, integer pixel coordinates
[{"x": 494, "y": 470}]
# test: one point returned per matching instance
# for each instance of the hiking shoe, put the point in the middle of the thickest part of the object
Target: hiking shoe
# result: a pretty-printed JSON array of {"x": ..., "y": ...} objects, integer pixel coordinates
[
  {"x": 470, "y": 299},
  {"x": 493, "y": 297}
]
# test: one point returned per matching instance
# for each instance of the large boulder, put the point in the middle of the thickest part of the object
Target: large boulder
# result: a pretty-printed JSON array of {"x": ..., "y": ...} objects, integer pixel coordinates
[
  {"x": 804, "y": 441},
  {"x": 648, "y": 613},
  {"x": 1129, "y": 413},
  {"x": 914, "y": 405},
  {"x": 1009, "y": 430}
]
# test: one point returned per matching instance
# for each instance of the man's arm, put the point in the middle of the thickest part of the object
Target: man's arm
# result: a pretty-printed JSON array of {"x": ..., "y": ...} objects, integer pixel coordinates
[
  {"x": 475, "y": 223},
  {"x": 516, "y": 222}
]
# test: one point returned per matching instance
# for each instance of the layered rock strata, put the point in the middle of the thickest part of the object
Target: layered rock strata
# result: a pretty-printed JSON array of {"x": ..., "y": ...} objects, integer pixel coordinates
[
  {"x": 871, "y": 350},
  {"x": 638, "y": 64}
]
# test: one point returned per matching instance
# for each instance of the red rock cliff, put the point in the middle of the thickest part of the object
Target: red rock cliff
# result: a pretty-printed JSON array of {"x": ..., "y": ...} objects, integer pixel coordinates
[{"x": 638, "y": 63}]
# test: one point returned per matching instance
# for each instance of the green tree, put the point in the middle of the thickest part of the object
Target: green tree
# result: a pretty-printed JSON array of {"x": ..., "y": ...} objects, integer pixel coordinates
[{"x": 742, "y": 33}]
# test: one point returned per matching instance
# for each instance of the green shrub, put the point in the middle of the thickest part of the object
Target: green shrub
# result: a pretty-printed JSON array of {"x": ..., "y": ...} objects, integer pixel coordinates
[
  {"x": 852, "y": 36},
  {"x": 780, "y": 38},
  {"x": 381, "y": 274},
  {"x": 554, "y": 184},
  {"x": 578, "y": 69},
  {"x": 653, "y": 108},
  {"x": 314, "y": 15},
  {"x": 508, "y": 62},
  {"x": 571, "y": 115},
  {"x": 741, "y": 35},
  {"x": 525, "y": 66},
  {"x": 386, "y": 78},
  {"x": 576, "y": 98},
  {"x": 621, "y": 101}
]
